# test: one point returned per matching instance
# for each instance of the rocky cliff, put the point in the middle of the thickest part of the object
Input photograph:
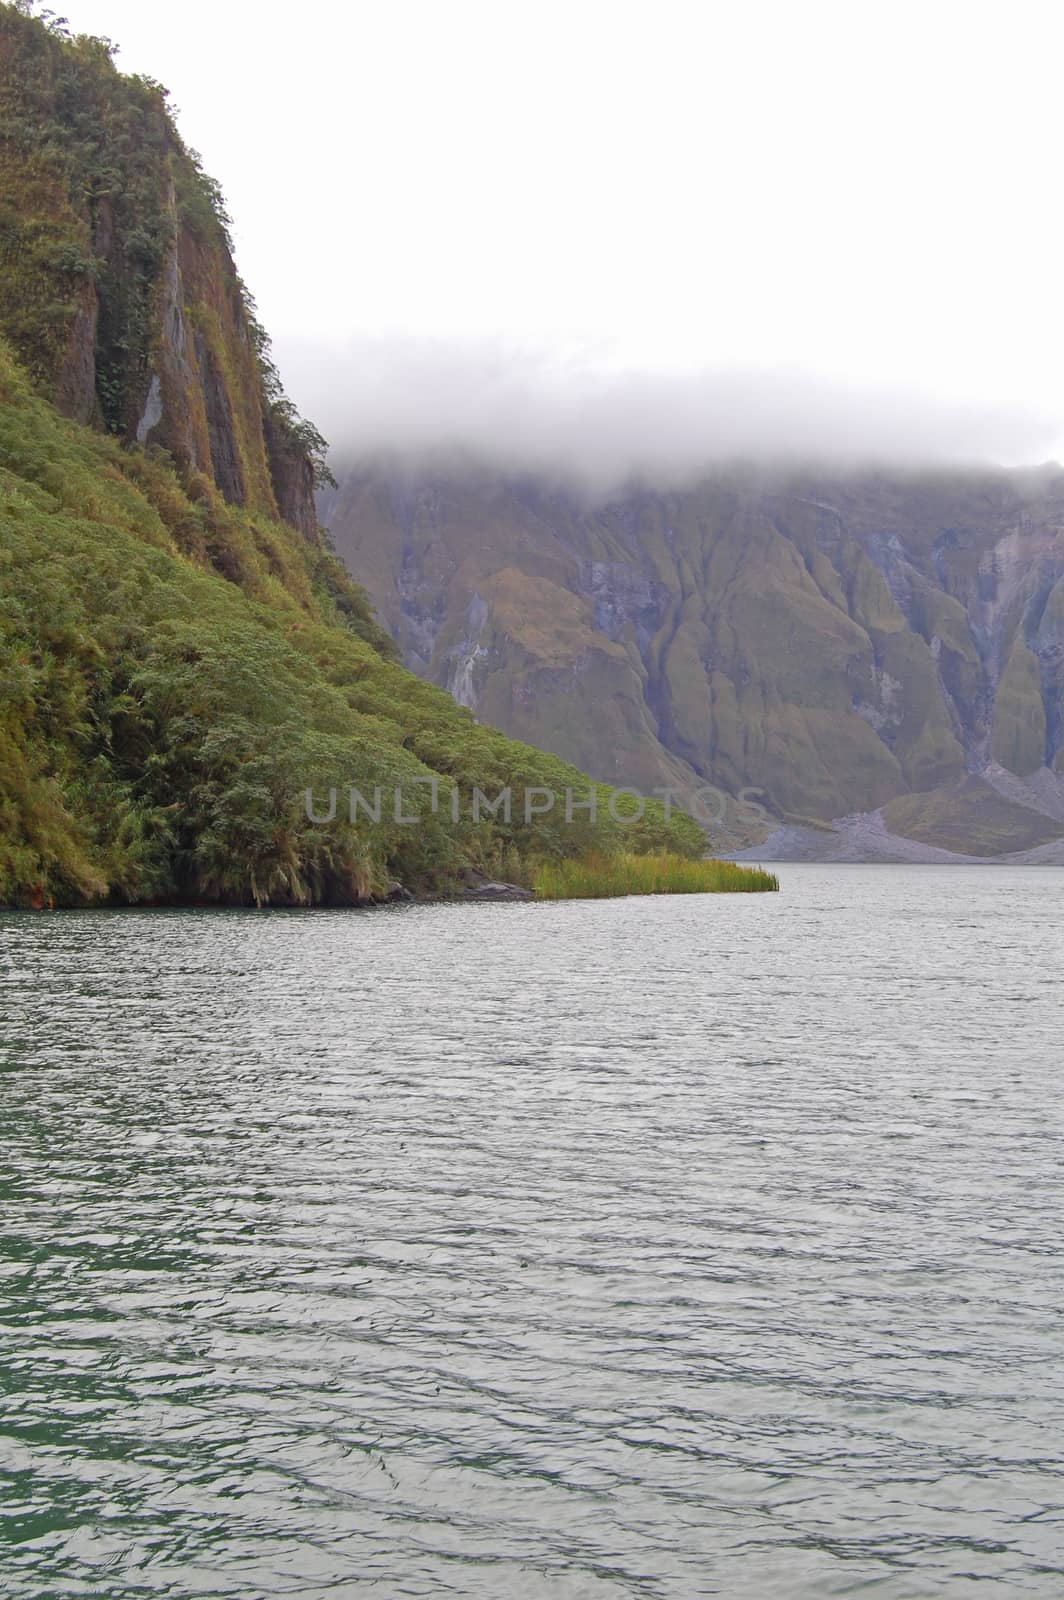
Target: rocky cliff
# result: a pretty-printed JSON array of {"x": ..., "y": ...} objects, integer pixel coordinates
[
  {"x": 120, "y": 294},
  {"x": 882, "y": 647}
]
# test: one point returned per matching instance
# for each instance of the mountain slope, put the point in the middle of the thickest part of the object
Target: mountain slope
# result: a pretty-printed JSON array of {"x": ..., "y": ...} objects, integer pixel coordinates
[
  {"x": 839, "y": 646},
  {"x": 181, "y": 658}
]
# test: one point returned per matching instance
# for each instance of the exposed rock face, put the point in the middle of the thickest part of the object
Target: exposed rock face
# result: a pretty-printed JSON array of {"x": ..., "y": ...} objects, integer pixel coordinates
[
  {"x": 223, "y": 449},
  {"x": 839, "y": 646},
  {"x": 75, "y": 382},
  {"x": 292, "y": 477},
  {"x": 118, "y": 288}
]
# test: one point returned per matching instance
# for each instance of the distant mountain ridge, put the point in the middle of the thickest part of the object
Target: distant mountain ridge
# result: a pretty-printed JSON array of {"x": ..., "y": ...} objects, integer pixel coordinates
[{"x": 887, "y": 647}]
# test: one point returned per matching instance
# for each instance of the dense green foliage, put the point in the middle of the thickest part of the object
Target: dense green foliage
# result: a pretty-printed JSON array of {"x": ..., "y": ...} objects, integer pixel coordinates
[
  {"x": 175, "y": 673},
  {"x": 598, "y": 876}
]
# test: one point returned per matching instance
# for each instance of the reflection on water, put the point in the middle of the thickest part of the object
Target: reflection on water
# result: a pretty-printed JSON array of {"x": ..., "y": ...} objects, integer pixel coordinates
[{"x": 652, "y": 1248}]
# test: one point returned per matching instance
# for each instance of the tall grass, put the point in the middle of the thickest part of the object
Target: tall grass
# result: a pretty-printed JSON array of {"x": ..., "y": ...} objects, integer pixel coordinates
[{"x": 597, "y": 876}]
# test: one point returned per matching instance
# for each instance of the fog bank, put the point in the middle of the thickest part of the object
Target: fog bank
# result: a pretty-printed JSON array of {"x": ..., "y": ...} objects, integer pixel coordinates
[{"x": 426, "y": 403}]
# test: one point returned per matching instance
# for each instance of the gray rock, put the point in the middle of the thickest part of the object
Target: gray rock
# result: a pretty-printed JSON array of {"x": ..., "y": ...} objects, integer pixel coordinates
[
  {"x": 485, "y": 889},
  {"x": 396, "y": 891}
]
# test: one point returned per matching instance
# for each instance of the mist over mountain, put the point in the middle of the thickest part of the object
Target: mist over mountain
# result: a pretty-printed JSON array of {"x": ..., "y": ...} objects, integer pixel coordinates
[
  {"x": 846, "y": 599},
  {"x": 434, "y": 404}
]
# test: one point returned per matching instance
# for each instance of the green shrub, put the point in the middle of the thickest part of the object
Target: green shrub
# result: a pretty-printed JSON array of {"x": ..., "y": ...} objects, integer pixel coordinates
[{"x": 597, "y": 876}]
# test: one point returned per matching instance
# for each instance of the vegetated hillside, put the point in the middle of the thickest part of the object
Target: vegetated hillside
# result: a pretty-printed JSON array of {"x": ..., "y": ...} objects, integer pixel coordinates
[
  {"x": 883, "y": 645},
  {"x": 181, "y": 658}
]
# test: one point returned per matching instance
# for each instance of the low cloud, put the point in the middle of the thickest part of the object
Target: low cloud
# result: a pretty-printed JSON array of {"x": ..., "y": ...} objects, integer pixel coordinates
[{"x": 430, "y": 404}]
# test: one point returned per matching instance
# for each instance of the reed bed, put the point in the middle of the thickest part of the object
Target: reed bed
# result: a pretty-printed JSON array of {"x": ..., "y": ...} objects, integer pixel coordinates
[{"x": 599, "y": 876}]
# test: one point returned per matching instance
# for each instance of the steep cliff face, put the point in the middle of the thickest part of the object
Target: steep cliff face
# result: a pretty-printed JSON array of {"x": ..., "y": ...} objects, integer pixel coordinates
[
  {"x": 840, "y": 646},
  {"x": 120, "y": 295}
]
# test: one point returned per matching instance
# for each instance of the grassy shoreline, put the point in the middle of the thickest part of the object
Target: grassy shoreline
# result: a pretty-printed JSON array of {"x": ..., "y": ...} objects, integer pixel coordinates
[
  {"x": 594, "y": 878},
  {"x": 598, "y": 876}
]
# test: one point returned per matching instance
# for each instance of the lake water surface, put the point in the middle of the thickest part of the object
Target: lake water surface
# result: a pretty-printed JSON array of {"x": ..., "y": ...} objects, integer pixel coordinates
[{"x": 664, "y": 1248}]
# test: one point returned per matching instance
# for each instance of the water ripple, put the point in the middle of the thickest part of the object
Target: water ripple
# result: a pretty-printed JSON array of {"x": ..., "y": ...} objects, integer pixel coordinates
[{"x": 649, "y": 1248}]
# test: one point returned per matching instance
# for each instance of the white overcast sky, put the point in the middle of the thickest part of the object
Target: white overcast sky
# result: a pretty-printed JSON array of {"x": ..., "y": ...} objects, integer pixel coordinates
[{"x": 868, "y": 192}]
